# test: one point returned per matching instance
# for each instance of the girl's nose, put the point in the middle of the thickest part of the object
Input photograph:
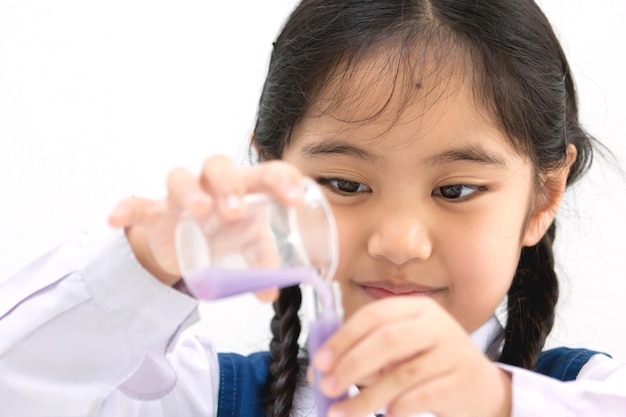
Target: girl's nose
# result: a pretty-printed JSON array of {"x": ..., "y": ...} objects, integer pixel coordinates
[{"x": 400, "y": 238}]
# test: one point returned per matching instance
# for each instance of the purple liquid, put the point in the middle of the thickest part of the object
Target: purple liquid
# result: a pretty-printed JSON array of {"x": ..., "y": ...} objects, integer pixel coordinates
[
  {"x": 319, "y": 332},
  {"x": 216, "y": 283}
]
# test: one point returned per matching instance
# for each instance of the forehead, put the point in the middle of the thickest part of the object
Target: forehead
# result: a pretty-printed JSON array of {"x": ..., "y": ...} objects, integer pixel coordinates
[
  {"x": 390, "y": 100},
  {"x": 379, "y": 86}
]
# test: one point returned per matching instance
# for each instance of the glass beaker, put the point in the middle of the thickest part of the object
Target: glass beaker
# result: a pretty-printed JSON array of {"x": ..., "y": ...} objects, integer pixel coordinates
[{"x": 271, "y": 245}]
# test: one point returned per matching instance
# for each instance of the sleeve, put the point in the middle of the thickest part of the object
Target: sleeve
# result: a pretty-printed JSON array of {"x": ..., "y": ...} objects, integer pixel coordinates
[
  {"x": 86, "y": 331},
  {"x": 599, "y": 390}
]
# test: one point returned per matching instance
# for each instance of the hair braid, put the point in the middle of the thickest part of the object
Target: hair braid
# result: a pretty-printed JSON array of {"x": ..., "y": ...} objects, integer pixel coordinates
[
  {"x": 284, "y": 367},
  {"x": 532, "y": 300}
]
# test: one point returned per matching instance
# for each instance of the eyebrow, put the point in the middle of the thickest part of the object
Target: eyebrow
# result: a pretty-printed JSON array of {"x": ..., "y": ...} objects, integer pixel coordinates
[
  {"x": 337, "y": 147},
  {"x": 472, "y": 153}
]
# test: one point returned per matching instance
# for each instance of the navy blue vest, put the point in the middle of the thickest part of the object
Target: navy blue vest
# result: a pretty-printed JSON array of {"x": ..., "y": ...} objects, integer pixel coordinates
[{"x": 242, "y": 377}]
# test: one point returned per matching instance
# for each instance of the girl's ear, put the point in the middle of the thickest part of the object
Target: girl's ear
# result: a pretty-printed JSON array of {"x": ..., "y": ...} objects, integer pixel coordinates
[{"x": 546, "y": 205}]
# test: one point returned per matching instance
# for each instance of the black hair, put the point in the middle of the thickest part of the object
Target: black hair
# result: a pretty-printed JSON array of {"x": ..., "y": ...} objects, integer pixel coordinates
[
  {"x": 519, "y": 75},
  {"x": 285, "y": 367}
]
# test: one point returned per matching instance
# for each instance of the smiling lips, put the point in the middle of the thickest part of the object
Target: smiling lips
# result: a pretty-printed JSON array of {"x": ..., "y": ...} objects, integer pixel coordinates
[{"x": 387, "y": 289}]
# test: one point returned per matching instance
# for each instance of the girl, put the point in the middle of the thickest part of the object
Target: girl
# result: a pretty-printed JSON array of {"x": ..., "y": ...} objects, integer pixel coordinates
[{"x": 444, "y": 133}]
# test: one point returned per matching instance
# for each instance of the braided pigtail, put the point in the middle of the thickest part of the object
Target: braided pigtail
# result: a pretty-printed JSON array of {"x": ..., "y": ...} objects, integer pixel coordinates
[
  {"x": 284, "y": 367},
  {"x": 532, "y": 300}
]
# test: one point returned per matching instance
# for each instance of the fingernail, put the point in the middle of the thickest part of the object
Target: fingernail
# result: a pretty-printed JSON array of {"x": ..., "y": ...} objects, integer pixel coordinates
[
  {"x": 323, "y": 359},
  {"x": 231, "y": 202},
  {"x": 329, "y": 383},
  {"x": 119, "y": 212},
  {"x": 293, "y": 192}
]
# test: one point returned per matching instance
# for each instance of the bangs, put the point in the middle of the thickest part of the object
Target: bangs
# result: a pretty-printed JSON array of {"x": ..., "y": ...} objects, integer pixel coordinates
[{"x": 376, "y": 83}]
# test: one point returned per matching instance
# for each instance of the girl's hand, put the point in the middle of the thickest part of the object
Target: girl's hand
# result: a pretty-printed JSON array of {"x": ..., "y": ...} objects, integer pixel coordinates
[
  {"x": 409, "y": 355},
  {"x": 150, "y": 224}
]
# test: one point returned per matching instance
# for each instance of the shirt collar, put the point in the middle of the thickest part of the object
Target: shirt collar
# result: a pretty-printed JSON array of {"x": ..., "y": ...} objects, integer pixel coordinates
[{"x": 486, "y": 333}]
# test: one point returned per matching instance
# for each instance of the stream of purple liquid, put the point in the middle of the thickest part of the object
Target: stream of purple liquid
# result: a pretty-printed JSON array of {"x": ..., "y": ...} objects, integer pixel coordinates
[{"x": 217, "y": 283}]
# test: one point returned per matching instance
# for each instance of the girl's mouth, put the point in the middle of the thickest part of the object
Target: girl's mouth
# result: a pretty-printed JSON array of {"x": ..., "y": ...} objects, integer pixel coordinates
[{"x": 380, "y": 289}]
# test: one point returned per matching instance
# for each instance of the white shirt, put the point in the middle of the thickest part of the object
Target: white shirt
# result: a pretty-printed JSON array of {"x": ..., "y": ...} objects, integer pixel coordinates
[{"x": 86, "y": 331}]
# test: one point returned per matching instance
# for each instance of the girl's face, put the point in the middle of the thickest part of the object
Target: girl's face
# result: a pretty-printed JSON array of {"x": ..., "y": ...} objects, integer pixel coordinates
[{"x": 432, "y": 200}]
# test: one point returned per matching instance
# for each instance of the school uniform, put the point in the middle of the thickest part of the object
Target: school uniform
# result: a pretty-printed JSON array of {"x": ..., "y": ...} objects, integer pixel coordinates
[{"x": 85, "y": 331}]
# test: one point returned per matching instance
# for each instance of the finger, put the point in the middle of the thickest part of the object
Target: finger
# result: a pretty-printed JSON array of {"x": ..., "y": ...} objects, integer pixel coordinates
[
  {"x": 133, "y": 211},
  {"x": 185, "y": 193},
  {"x": 420, "y": 371},
  {"x": 221, "y": 179},
  {"x": 365, "y": 321},
  {"x": 281, "y": 179},
  {"x": 385, "y": 347},
  {"x": 431, "y": 398},
  {"x": 266, "y": 253}
]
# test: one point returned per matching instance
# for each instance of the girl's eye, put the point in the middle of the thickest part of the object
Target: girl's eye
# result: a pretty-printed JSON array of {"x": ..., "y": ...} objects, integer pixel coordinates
[
  {"x": 344, "y": 186},
  {"x": 457, "y": 191}
]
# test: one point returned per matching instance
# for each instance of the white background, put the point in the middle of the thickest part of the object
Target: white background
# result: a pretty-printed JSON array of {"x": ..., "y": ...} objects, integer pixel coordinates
[{"x": 99, "y": 100}]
